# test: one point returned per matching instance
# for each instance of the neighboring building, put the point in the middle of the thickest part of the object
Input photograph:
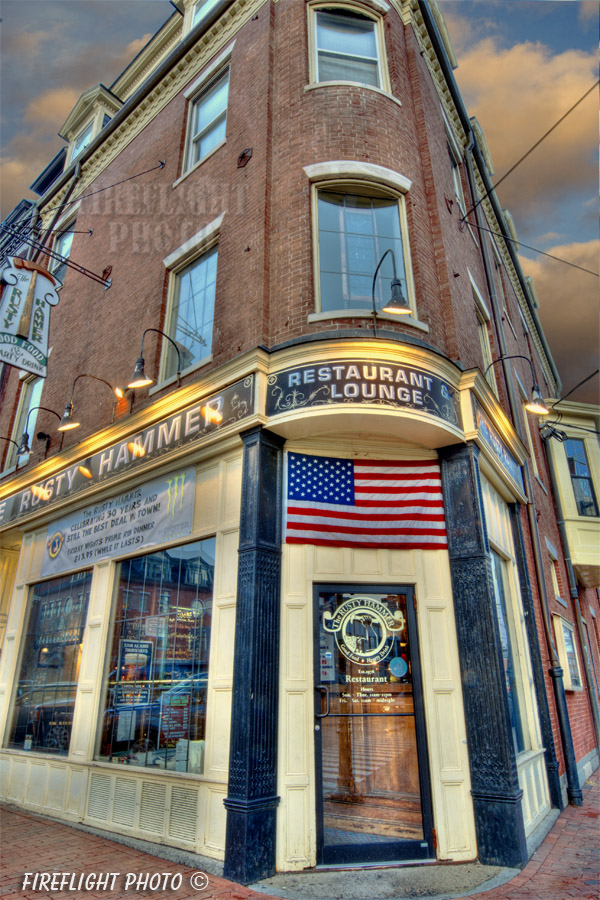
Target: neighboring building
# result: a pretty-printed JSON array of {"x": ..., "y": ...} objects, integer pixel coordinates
[
  {"x": 379, "y": 684},
  {"x": 571, "y": 436}
]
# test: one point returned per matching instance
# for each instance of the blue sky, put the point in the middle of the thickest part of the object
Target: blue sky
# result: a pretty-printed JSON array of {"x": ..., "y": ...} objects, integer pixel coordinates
[{"x": 522, "y": 64}]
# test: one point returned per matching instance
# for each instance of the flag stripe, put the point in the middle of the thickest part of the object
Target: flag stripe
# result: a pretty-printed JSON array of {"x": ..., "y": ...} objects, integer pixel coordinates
[{"x": 306, "y": 514}]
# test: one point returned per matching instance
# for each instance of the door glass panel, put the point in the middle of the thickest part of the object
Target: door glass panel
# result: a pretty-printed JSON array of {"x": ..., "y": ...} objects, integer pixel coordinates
[{"x": 366, "y": 727}]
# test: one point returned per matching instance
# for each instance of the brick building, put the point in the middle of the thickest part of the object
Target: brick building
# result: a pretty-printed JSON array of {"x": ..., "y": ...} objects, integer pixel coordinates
[{"x": 287, "y": 600}]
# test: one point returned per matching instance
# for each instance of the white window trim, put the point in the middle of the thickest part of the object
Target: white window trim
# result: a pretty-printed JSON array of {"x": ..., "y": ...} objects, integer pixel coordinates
[
  {"x": 177, "y": 260},
  {"x": 207, "y": 73},
  {"x": 553, "y": 557},
  {"x": 340, "y": 175},
  {"x": 370, "y": 10},
  {"x": 560, "y": 623}
]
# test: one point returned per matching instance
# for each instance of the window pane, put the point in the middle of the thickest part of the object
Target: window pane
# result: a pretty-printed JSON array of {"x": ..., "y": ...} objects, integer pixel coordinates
[
  {"x": 346, "y": 33},
  {"x": 581, "y": 479},
  {"x": 62, "y": 246},
  {"x": 81, "y": 141},
  {"x": 45, "y": 699},
  {"x": 25, "y": 423},
  {"x": 209, "y": 119},
  {"x": 156, "y": 687},
  {"x": 354, "y": 233},
  {"x": 193, "y": 312},
  {"x": 346, "y": 48},
  {"x": 201, "y": 9}
]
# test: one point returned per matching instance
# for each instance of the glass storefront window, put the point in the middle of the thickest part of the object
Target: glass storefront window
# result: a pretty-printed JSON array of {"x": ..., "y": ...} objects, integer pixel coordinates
[
  {"x": 156, "y": 685},
  {"x": 45, "y": 697}
]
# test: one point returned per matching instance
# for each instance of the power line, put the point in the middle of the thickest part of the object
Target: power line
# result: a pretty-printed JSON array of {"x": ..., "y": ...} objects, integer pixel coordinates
[
  {"x": 572, "y": 391},
  {"x": 520, "y": 243},
  {"x": 161, "y": 165},
  {"x": 531, "y": 149}
]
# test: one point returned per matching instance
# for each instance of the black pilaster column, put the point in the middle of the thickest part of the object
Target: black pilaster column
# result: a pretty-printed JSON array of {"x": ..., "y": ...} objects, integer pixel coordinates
[
  {"x": 536, "y": 662},
  {"x": 495, "y": 787},
  {"x": 251, "y": 802}
]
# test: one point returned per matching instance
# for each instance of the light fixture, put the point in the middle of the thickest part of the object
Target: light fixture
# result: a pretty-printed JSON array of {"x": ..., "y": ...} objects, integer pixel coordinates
[
  {"x": 398, "y": 303},
  {"x": 211, "y": 415},
  {"x": 535, "y": 404},
  {"x": 86, "y": 468},
  {"x": 68, "y": 421},
  {"x": 136, "y": 449},
  {"x": 139, "y": 378},
  {"x": 40, "y": 492},
  {"x": 24, "y": 442}
]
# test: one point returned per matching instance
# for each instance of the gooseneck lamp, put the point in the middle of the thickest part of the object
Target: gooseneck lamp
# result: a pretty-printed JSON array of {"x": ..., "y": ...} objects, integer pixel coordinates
[
  {"x": 535, "y": 404},
  {"x": 139, "y": 379},
  {"x": 23, "y": 446},
  {"x": 68, "y": 421},
  {"x": 397, "y": 304}
]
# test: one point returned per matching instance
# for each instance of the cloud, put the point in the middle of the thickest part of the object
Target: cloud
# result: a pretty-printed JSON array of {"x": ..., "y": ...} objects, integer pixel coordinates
[
  {"x": 588, "y": 11},
  {"x": 51, "y": 107},
  {"x": 514, "y": 117},
  {"x": 569, "y": 310}
]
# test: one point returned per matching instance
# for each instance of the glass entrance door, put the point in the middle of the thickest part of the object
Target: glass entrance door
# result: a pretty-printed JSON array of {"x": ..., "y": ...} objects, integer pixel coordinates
[{"x": 373, "y": 791}]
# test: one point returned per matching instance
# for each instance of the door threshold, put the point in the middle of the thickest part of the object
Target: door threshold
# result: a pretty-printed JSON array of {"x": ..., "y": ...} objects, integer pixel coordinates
[{"x": 392, "y": 864}]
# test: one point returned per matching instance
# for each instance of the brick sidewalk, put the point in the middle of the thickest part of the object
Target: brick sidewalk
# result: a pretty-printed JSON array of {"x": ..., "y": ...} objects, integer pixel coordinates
[{"x": 566, "y": 865}]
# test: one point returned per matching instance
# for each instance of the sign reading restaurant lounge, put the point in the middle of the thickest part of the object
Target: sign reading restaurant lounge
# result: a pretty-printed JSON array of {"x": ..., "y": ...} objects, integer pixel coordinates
[
  {"x": 361, "y": 381},
  {"x": 191, "y": 424},
  {"x": 25, "y": 304}
]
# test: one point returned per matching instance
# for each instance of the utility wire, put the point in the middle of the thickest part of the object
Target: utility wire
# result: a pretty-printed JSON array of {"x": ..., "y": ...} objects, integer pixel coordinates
[
  {"x": 572, "y": 391},
  {"x": 520, "y": 243},
  {"x": 161, "y": 165},
  {"x": 531, "y": 149}
]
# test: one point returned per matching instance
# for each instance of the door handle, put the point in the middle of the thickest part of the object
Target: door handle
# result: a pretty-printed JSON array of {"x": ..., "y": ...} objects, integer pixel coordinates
[{"x": 323, "y": 687}]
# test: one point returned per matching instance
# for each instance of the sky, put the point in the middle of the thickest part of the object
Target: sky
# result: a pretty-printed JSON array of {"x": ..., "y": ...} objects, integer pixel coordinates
[{"x": 521, "y": 65}]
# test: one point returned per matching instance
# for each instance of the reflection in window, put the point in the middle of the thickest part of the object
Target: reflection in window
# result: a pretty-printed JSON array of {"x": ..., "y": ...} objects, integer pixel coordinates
[
  {"x": 581, "y": 477},
  {"x": 202, "y": 9},
  {"x": 209, "y": 119},
  {"x": 346, "y": 48},
  {"x": 509, "y": 652},
  {"x": 31, "y": 395},
  {"x": 191, "y": 323},
  {"x": 45, "y": 698},
  {"x": 62, "y": 246},
  {"x": 354, "y": 233},
  {"x": 81, "y": 141},
  {"x": 156, "y": 686}
]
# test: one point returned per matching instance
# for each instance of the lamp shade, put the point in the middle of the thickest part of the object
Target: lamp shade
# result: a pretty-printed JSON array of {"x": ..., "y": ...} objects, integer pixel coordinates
[
  {"x": 68, "y": 422},
  {"x": 23, "y": 444},
  {"x": 536, "y": 404},
  {"x": 139, "y": 378},
  {"x": 398, "y": 303}
]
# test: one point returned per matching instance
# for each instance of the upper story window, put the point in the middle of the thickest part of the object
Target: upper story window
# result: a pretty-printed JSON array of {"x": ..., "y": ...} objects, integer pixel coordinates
[
  {"x": 483, "y": 329},
  {"x": 191, "y": 314},
  {"x": 355, "y": 230},
  {"x": 29, "y": 399},
  {"x": 208, "y": 120},
  {"x": 62, "y": 246},
  {"x": 455, "y": 163},
  {"x": 201, "y": 10},
  {"x": 581, "y": 477},
  {"x": 81, "y": 141},
  {"x": 348, "y": 47}
]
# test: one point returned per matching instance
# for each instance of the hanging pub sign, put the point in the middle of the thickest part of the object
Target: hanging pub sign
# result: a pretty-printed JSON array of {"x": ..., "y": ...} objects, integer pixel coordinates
[{"x": 29, "y": 292}]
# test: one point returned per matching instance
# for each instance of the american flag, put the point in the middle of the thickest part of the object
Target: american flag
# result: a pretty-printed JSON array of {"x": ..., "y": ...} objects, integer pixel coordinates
[{"x": 364, "y": 503}]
